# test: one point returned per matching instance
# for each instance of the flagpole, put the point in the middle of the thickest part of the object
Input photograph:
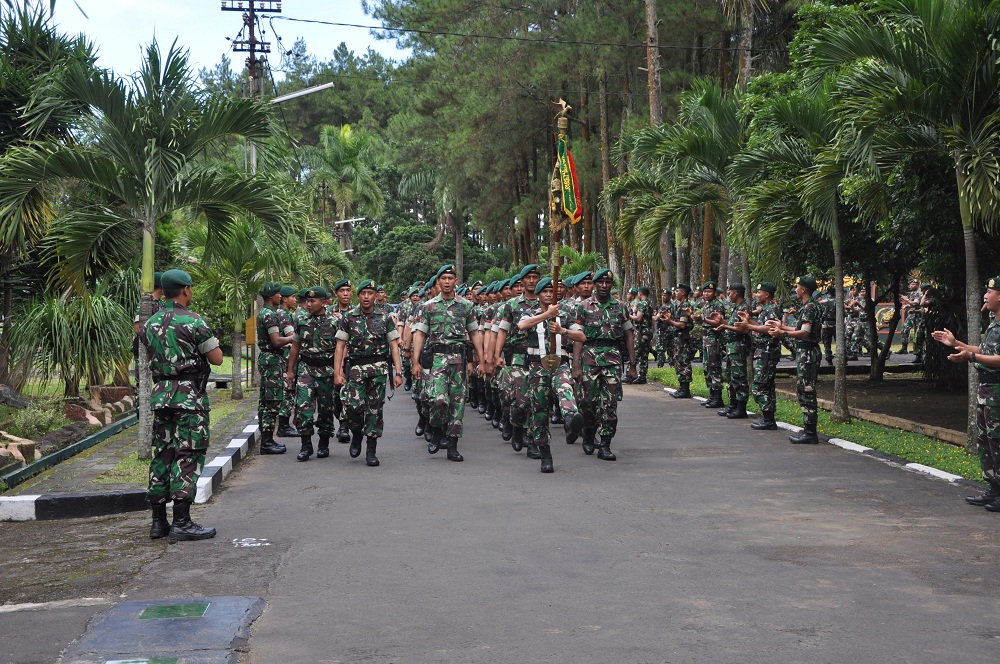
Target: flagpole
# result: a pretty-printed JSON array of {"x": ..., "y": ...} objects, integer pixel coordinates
[{"x": 557, "y": 211}]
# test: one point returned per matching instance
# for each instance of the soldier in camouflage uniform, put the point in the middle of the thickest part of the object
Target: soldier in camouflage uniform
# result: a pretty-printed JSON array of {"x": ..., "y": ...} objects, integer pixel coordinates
[
  {"x": 985, "y": 358},
  {"x": 737, "y": 346},
  {"x": 827, "y": 302},
  {"x": 180, "y": 346},
  {"x": 342, "y": 292},
  {"x": 911, "y": 307},
  {"x": 273, "y": 336},
  {"x": 664, "y": 332},
  {"x": 543, "y": 383},
  {"x": 567, "y": 389},
  {"x": 766, "y": 353},
  {"x": 512, "y": 343},
  {"x": 367, "y": 339},
  {"x": 597, "y": 363},
  {"x": 806, "y": 334},
  {"x": 920, "y": 324},
  {"x": 439, "y": 340},
  {"x": 681, "y": 318},
  {"x": 713, "y": 314},
  {"x": 642, "y": 319},
  {"x": 313, "y": 350},
  {"x": 286, "y": 312}
]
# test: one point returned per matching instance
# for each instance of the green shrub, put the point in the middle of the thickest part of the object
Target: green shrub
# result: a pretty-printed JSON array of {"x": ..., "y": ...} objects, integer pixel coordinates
[{"x": 37, "y": 420}]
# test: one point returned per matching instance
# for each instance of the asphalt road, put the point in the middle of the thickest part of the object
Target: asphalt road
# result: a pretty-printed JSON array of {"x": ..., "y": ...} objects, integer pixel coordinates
[{"x": 705, "y": 541}]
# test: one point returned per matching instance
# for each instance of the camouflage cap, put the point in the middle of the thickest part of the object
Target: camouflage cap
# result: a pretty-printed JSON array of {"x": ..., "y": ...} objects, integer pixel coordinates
[
  {"x": 172, "y": 279},
  {"x": 369, "y": 284},
  {"x": 270, "y": 289},
  {"x": 545, "y": 282}
]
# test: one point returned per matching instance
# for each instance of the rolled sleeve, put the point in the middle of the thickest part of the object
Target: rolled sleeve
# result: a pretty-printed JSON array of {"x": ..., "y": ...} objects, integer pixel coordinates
[
  {"x": 341, "y": 335},
  {"x": 208, "y": 345},
  {"x": 420, "y": 326},
  {"x": 576, "y": 326},
  {"x": 274, "y": 329},
  {"x": 392, "y": 335},
  {"x": 504, "y": 325},
  {"x": 472, "y": 326},
  {"x": 627, "y": 325}
]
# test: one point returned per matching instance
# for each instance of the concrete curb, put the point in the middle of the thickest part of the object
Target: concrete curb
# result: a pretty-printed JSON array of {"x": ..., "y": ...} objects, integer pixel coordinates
[
  {"x": 869, "y": 452},
  {"x": 42, "y": 507}
]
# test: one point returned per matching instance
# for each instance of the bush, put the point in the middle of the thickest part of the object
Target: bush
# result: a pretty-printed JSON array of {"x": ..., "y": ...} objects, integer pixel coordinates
[{"x": 37, "y": 419}]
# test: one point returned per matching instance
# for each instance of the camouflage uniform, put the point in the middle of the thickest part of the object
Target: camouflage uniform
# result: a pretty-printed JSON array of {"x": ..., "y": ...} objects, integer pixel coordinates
[
  {"x": 664, "y": 339},
  {"x": 808, "y": 359},
  {"x": 515, "y": 348},
  {"x": 565, "y": 387},
  {"x": 315, "y": 389},
  {"x": 271, "y": 362},
  {"x": 828, "y": 315},
  {"x": 683, "y": 344},
  {"x": 178, "y": 341},
  {"x": 713, "y": 345},
  {"x": 367, "y": 337},
  {"x": 737, "y": 351},
  {"x": 988, "y": 408},
  {"x": 643, "y": 337},
  {"x": 766, "y": 353},
  {"x": 542, "y": 385},
  {"x": 913, "y": 316},
  {"x": 287, "y": 392},
  {"x": 445, "y": 324},
  {"x": 600, "y": 390}
]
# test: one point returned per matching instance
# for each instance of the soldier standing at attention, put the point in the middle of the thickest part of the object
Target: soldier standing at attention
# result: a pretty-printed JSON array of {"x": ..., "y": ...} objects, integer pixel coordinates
[
  {"x": 920, "y": 324},
  {"x": 713, "y": 314},
  {"x": 986, "y": 359},
  {"x": 273, "y": 336},
  {"x": 289, "y": 305},
  {"x": 911, "y": 309},
  {"x": 682, "y": 320},
  {"x": 807, "y": 356},
  {"x": 827, "y": 302},
  {"x": 737, "y": 348},
  {"x": 180, "y": 346},
  {"x": 367, "y": 340},
  {"x": 439, "y": 340},
  {"x": 766, "y": 353},
  {"x": 642, "y": 319},
  {"x": 597, "y": 362},
  {"x": 313, "y": 348}
]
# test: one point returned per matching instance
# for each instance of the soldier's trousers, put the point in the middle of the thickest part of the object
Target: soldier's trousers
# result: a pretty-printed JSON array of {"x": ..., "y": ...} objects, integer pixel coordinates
[
  {"x": 828, "y": 333},
  {"x": 664, "y": 349},
  {"x": 542, "y": 392},
  {"x": 683, "y": 352},
  {"x": 919, "y": 335},
  {"x": 988, "y": 431},
  {"x": 315, "y": 395},
  {"x": 272, "y": 389},
  {"x": 643, "y": 346},
  {"x": 806, "y": 371},
  {"x": 765, "y": 362},
  {"x": 600, "y": 392},
  {"x": 712, "y": 359},
  {"x": 287, "y": 391},
  {"x": 565, "y": 388},
  {"x": 364, "y": 399},
  {"x": 180, "y": 440},
  {"x": 445, "y": 392},
  {"x": 519, "y": 397},
  {"x": 736, "y": 370}
]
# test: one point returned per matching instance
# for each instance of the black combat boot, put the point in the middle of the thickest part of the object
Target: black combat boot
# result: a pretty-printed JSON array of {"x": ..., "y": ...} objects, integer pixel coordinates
[
  {"x": 533, "y": 451},
  {"x": 994, "y": 506},
  {"x": 683, "y": 393},
  {"x": 307, "y": 448},
  {"x": 739, "y": 412},
  {"x": 641, "y": 380},
  {"x": 323, "y": 449},
  {"x": 487, "y": 410},
  {"x": 990, "y": 495},
  {"x": 370, "y": 457},
  {"x": 160, "y": 527},
  {"x": 507, "y": 430},
  {"x": 918, "y": 358},
  {"x": 453, "y": 454},
  {"x": 435, "y": 442},
  {"x": 285, "y": 429},
  {"x": 517, "y": 438},
  {"x": 806, "y": 437},
  {"x": 421, "y": 427},
  {"x": 546, "y": 451},
  {"x": 589, "y": 438},
  {"x": 355, "y": 450},
  {"x": 573, "y": 426},
  {"x": 408, "y": 382},
  {"x": 483, "y": 406},
  {"x": 556, "y": 417},
  {"x": 497, "y": 420},
  {"x": 343, "y": 433},
  {"x": 269, "y": 446},
  {"x": 904, "y": 349},
  {"x": 605, "y": 453},
  {"x": 724, "y": 412},
  {"x": 183, "y": 528},
  {"x": 473, "y": 399},
  {"x": 714, "y": 399},
  {"x": 766, "y": 422}
]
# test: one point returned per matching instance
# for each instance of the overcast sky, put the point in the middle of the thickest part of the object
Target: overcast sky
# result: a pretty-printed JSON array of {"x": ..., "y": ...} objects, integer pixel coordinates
[{"x": 120, "y": 29}]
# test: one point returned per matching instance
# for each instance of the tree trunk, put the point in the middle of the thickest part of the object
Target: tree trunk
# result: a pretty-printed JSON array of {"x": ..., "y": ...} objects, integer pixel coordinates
[
  {"x": 723, "y": 255},
  {"x": 745, "y": 268},
  {"x": 144, "y": 429},
  {"x": 973, "y": 306},
  {"x": 694, "y": 266},
  {"x": 237, "y": 359},
  {"x": 653, "y": 64},
  {"x": 8, "y": 298},
  {"x": 458, "y": 224},
  {"x": 877, "y": 374},
  {"x": 602, "y": 102},
  {"x": 746, "y": 47},
  {"x": 679, "y": 247},
  {"x": 708, "y": 231},
  {"x": 668, "y": 259},
  {"x": 840, "y": 412}
]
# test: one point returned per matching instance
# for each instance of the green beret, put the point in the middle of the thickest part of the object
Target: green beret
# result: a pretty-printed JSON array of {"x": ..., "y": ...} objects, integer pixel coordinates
[
  {"x": 571, "y": 281},
  {"x": 614, "y": 291},
  {"x": 341, "y": 284},
  {"x": 709, "y": 284},
  {"x": 287, "y": 291},
  {"x": 644, "y": 290},
  {"x": 172, "y": 279},
  {"x": 157, "y": 280},
  {"x": 543, "y": 284},
  {"x": 738, "y": 287},
  {"x": 633, "y": 291},
  {"x": 270, "y": 289},
  {"x": 315, "y": 292},
  {"x": 766, "y": 286},
  {"x": 430, "y": 282},
  {"x": 808, "y": 282},
  {"x": 603, "y": 273},
  {"x": 367, "y": 283},
  {"x": 380, "y": 289},
  {"x": 993, "y": 283},
  {"x": 586, "y": 275},
  {"x": 515, "y": 279},
  {"x": 683, "y": 287},
  {"x": 531, "y": 268},
  {"x": 925, "y": 286},
  {"x": 445, "y": 269}
]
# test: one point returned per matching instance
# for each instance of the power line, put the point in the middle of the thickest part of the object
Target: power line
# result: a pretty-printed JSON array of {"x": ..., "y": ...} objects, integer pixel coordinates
[{"x": 538, "y": 40}]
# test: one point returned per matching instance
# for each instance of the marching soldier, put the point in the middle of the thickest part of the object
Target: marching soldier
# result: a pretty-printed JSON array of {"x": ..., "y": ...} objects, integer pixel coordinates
[
  {"x": 512, "y": 342},
  {"x": 766, "y": 353},
  {"x": 342, "y": 292},
  {"x": 597, "y": 362},
  {"x": 313, "y": 349},
  {"x": 439, "y": 336},
  {"x": 827, "y": 302},
  {"x": 273, "y": 336},
  {"x": 367, "y": 340},
  {"x": 681, "y": 319},
  {"x": 806, "y": 335},
  {"x": 736, "y": 355},
  {"x": 180, "y": 346},
  {"x": 566, "y": 388}
]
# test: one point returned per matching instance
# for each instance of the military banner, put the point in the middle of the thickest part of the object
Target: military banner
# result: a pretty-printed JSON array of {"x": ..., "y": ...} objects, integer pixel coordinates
[{"x": 570, "y": 188}]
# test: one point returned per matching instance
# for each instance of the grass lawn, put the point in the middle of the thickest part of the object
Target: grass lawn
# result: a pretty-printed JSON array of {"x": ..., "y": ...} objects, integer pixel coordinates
[{"x": 913, "y": 447}]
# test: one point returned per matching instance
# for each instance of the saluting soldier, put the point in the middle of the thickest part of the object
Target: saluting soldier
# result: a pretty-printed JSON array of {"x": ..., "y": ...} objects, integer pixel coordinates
[
  {"x": 766, "y": 353},
  {"x": 597, "y": 363},
  {"x": 367, "y": 339},
  {"x": 681, "y": 319},
  {"x": 806, "y": 335},
  {"x": 180, "y": 346},
  {"x": 273, "y": 336},
  {"x": 736, "y": 354},
  {"x": 313, "y": 350},
  {"x": 439, "y": 337},
  {"x": 712, "y": 315}
]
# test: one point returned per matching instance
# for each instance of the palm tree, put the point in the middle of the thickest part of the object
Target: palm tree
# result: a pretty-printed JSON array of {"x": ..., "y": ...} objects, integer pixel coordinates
[
  {"x": 923, "y": 75},
  {"x": 139, "y": 154}
]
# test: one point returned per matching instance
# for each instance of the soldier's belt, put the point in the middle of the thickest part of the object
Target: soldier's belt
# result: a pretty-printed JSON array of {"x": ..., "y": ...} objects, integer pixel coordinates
[
  {"x": 987, "y": 379},
  {"x": 366, "y": 359},
  {"x": 601, "y": 343},
  {"x": 447, "y": 349},
  {"x": 272, "y": 351},
  {"x": 186, "y": 375},
  {"x": 807, "y": 343},
  {"x": 318, "y": 361}
]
